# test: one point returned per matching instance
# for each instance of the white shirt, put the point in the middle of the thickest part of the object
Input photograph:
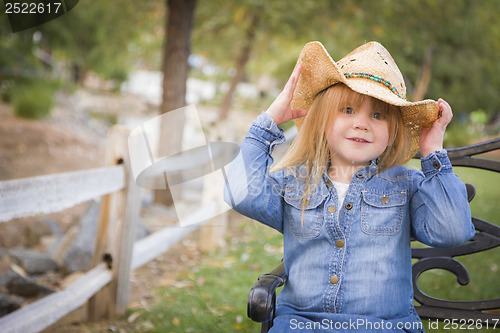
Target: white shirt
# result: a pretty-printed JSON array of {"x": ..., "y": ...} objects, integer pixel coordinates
[{"x": 341, "y": 192}]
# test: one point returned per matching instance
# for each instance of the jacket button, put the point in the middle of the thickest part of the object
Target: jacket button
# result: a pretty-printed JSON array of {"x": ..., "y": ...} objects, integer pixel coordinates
[
  {"x": 306, "y": 202},
  {"x": 348, "y": 206},
  {"x": 436, "y": 165},
  {"x": 334, "y": 279},
  {"x": 340, "y": 243},
  {"x": 385, "y": 199},
  {"x": 332, "y": 209}
]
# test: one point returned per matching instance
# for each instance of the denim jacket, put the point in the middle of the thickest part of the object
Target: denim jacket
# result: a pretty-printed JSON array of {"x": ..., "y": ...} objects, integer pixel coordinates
[{"x": 355, "y": 259}]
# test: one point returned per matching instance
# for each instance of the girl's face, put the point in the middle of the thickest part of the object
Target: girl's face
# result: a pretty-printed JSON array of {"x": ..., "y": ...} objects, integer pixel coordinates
[{"x": 358, "y": 135}]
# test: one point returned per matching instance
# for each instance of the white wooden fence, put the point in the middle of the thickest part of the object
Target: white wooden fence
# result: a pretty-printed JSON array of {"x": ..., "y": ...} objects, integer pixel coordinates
[{"x": 105, "y": 289}]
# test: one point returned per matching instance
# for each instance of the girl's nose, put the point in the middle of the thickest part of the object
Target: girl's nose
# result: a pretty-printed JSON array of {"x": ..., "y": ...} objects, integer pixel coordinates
[{"x": 360, "y": 122}]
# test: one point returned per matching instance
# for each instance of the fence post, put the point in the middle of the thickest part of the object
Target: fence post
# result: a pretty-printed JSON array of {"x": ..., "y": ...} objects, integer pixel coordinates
[
  {"x": 116, "y": 232},
  {"x": 212, "y": 234},
  {"x": 126, "y": 245}
]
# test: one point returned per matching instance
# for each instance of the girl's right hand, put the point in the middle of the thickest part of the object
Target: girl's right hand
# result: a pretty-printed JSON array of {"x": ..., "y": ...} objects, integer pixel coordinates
[
  {"x": 280, "y": 109},
  {"x": 431, "y": 139}
]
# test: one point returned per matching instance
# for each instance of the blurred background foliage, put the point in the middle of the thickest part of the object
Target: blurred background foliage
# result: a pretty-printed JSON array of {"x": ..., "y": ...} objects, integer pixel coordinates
[{"x": 448, "y": 49}]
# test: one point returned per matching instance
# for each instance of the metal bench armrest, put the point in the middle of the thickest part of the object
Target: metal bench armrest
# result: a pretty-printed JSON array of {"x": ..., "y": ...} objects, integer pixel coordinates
[{"x": 262, "y": 297}]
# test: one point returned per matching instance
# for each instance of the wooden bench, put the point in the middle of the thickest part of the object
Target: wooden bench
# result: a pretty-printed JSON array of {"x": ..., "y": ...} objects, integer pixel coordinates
[{"x": 262, "y": 298}]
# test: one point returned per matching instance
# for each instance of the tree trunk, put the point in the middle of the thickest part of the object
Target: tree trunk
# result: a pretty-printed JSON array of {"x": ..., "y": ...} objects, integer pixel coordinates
[
  {"x": 175, "y": 70},
  {"x": 425, "y": 76},
  {"x": 240, "y": 66}
]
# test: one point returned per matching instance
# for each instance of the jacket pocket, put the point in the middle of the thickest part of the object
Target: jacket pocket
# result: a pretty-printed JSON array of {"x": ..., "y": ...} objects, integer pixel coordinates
[
  {"x": 382, "y": 213},
  {"x": 306, "y": 223}
]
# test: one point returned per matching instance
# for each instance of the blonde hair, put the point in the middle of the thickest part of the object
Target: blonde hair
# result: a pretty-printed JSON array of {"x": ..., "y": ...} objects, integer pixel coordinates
[{"x": 310, "y": 147}]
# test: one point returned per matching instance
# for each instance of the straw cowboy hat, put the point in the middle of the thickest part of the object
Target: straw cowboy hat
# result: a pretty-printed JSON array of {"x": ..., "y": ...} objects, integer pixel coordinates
[{"x": 368, "y": 70}]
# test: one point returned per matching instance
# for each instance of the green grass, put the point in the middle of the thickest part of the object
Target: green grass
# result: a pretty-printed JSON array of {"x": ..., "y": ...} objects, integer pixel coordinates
[{"x": 213, "y": 297}]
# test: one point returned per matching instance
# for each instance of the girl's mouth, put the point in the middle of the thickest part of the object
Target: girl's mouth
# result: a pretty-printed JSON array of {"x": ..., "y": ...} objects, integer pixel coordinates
[{"x": 359, "y": 140}]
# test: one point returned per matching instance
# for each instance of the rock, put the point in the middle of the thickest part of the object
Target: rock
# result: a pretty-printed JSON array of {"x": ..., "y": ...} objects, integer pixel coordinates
[
  {"x": 26, "y": 287},
  {"x": 33, "y": 262},
  {"x": 63, "y": 245},
  {"x": 8, "y": 304},
  {"x": 48, "y": 243},
  {"x": 6, "y": 275},
  {"x": 36, "y": 230},
  {"x": 18, "y": 270},
  {"x": 15, "y": 280},
  {"x": 4, "y": 267},
  {"x": 141, "y": 231},
  {"x": 77, "y": 259},
  {"x": 12, "y": 233},
  {"x": 26, "y": 232},
  {"x": 76, "y": 249},
  {"x": 78, "y": 256}
]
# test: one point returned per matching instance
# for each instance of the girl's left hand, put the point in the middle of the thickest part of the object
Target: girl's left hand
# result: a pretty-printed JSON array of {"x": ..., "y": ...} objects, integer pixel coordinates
[
  {"x": 280, "y": 109},
  {"x": 431, "y": 139}
]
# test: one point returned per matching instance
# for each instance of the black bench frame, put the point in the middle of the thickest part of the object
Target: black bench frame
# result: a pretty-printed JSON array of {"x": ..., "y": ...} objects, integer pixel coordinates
[{"x": 262, "y": 298}]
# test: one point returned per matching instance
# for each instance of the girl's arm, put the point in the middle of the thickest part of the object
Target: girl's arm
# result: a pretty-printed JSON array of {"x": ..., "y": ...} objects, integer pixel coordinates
[
  {"x": 440, "y": 210},
  {"x": 250, "y": 189}
]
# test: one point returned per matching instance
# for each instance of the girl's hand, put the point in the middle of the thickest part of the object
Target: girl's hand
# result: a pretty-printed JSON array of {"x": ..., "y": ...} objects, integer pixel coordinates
[
  {"x": 431, "y": 139},
  {"x": 280, "y": 109}
]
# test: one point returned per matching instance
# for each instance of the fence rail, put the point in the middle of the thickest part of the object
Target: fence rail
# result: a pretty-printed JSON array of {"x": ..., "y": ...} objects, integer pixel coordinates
[
  {"x": 48, "y": 310},
  {"x": 53, "y": 193}
]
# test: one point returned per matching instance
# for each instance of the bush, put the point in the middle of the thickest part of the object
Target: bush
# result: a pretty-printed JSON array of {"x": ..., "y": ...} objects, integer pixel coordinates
[
  {"x": 458, "y": 134},
  {"x": 5, "y": 91},
  {"x": 33, "y": 99}
]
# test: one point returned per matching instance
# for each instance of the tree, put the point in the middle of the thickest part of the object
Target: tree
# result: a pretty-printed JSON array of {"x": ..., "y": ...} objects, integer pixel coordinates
[
  {"x": 176, "y": 51},
  {"x": 97, "y": 36},
  {"x": 175, "y": 70},
  {"x": 444, "y": 49},
  {"x": 249, "y": 26},
  {"x": 244, "y": 56}
]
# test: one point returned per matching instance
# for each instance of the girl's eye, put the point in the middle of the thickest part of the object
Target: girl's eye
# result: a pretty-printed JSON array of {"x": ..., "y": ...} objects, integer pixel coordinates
[
  {"x": 377, "y": 115},
  {"x": 348, "y": 110}
]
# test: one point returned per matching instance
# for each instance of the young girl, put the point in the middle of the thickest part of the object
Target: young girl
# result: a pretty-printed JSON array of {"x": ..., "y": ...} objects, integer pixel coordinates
[{"x": 342, "y": 199}]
